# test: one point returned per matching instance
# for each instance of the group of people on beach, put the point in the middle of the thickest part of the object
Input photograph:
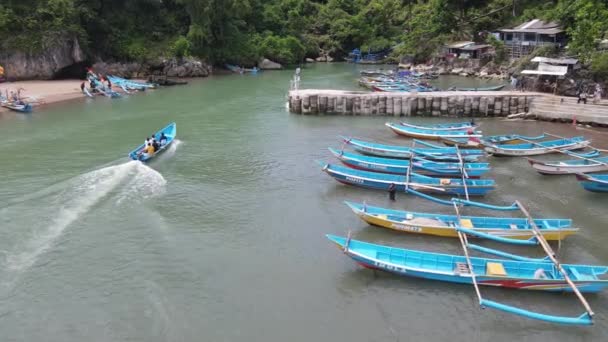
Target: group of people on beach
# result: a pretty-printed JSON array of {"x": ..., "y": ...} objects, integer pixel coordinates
[
  {"x": 14, "y": 97},
  {"x": 151, "y": 145},
  {"x": 96, "y": 82}
]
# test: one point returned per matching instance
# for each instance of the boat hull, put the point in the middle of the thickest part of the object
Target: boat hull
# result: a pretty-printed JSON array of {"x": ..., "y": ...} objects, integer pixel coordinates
[
  {"x": 505, "y": 151},
  {"x": 170, "y": 132},
  {"x": 593, "y": 183},
  {"x": 443, "y": 229},
  {"x": 562, "y": 168},
  {"x": 372, "y": 180},
  {"x": 429, "y": 134},
  {"x": 444, "y": 267}
]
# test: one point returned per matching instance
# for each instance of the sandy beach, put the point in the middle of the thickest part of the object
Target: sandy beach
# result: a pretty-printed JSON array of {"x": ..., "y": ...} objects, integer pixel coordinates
[{"x": 44, "y": 92}]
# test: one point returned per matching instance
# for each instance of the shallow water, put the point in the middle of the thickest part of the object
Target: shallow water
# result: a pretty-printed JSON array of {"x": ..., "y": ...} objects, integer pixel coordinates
[{"x": 222, "y": 237}]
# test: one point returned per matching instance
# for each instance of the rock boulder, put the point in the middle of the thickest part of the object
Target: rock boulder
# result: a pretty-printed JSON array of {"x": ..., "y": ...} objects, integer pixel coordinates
[{"x": 267, "y": 64}]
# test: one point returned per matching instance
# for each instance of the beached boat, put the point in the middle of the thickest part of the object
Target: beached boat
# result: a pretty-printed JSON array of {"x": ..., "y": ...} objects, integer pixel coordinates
[
  {"x": 454, "y": 268},
  {"x": 490, "y": 88},
  {"x": 170, "y": 132},
  {"x": 445, "y": 225},
  {"x": 130, "y": 84},
  {"x": 400, "y": 88},
  {"x": 564, "y": 167},
  {"x": 404, "y": 152},
  {"x": 458, "y": 126},
  {"x": 400, "y": 166},
  {"x": 429, "y": 133},
  {"x": 593, "y": 183},
  {"x": 383, "y": 181},
  {"x": 532, "y": 149},
  {"x": 488, "y": 140},
  {"x": 17, "y": 106}
]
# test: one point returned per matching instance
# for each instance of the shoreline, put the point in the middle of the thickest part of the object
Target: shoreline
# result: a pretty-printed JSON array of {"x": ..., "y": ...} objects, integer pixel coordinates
[{"x": 43, "y": 93}]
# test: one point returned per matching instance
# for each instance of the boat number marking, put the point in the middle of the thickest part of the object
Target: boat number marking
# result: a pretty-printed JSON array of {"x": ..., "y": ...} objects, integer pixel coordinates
[
  {"x": 355, "y": 180},
  {"x": 389, "y": 267},
  {"x": 405, "y": 227}
]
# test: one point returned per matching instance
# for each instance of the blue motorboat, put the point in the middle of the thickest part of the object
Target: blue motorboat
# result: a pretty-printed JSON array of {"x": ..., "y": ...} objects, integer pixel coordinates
[{"x": 170, "y": 132}]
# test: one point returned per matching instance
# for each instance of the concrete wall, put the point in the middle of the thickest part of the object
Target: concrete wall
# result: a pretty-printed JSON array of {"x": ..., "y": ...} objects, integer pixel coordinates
[{"x": 450, "y": 103}]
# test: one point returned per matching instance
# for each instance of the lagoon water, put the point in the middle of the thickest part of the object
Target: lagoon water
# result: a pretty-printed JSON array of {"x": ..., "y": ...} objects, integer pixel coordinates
[{"x": 222, "y": 237}]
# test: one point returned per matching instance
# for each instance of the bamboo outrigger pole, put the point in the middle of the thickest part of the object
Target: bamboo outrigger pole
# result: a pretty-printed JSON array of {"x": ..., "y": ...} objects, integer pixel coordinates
[
  {"x": 551, "y": 255},
  {"x": 463, "y": 242},
  {"x": 463, "y": 173}
]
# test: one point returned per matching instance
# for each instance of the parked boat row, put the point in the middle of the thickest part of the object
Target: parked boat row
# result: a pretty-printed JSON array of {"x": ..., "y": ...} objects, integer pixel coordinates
[{"x": 451, "y": 170}]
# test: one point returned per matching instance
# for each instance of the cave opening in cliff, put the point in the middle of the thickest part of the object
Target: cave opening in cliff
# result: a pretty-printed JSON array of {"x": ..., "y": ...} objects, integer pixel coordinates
[{"x": 76, "y": 70}]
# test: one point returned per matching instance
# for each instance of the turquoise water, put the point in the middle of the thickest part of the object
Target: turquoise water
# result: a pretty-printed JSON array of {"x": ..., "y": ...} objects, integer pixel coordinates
[{"x": 222, "y": 237}]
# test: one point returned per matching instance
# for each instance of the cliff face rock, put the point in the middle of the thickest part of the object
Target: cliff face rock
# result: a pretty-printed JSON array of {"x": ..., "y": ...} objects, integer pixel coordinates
[
  {"x": 44, "y": 65},
  {"x": 174, "y": 67}
]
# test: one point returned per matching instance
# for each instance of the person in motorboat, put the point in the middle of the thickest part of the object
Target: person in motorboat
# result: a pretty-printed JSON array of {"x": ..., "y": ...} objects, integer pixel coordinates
[
  {"x": 155, "y": 144},
  {"x": 163, "y": 139}
]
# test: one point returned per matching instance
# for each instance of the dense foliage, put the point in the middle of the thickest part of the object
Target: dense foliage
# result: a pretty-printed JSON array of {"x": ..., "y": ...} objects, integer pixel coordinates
[{"x": 241, "y": 31}]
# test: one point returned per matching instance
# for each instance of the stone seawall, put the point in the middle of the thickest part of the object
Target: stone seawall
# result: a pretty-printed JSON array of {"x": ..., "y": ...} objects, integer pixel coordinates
[{"x": 448, "y": 103}]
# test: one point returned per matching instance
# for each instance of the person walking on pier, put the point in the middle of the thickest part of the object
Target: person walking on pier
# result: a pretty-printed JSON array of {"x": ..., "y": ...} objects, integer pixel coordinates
[{"x": 392, "y": 190}]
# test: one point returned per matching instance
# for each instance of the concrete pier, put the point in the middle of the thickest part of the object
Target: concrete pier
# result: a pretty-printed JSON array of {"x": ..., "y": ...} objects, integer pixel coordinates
[{"x": 442, "y": 103}]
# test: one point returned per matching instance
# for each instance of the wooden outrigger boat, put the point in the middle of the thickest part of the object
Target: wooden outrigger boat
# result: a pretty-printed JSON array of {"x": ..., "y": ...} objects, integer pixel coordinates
[
  {"x": 405, "y": 152},
  {"x": 400, "y": 166},
  {"x": 445, "y": 225},
  {"x": 383, "y": 181},
  {"x": 430, "y": 134},
  {"x": 537, "y": 148},
  {"x": 593, "y": 183},
  {"x": 170, "y": 132},
  {"x": 453, "y": 126},
  {"x": 489, "y": 140},
  {"x": 581, "y": 165},
  {"x": 533, "y": 274}
]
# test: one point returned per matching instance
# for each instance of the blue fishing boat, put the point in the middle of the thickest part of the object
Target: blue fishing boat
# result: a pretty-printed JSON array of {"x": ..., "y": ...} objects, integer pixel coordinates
[
  {"x": 383, "y": 181},
  {"x": 400, "y": 88},
  {"x": 476, "y": 271},
  {"x": 404, "y": 152},
  {"x": 492, "y": 139},
  {"x": 532, "y": 149},
  {"x": 400, "y": 166},
  {"x": 130, "y": 84},
  {"x": 593, "y": 183},
  {"x": 412, "y": 132},
  {"x": 458, "y": 126},
  {"x": 170, "y": 132},
  {"x": 445, "y": 225}
]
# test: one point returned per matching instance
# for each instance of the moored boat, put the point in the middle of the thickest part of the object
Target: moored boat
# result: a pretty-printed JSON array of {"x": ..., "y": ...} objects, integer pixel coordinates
[
  {"x": 431, "y": 134},
  {"x": 593, "y": 183},
  {"x": 521, "y": 275},
  {"x": 20, "y": 107},
  {"x": 403, "y": 152},
  {"x": 383, "y": 181},
  {"x": 543, "y": 147},
  {"x": 445, "y": 225},
  {"x": 487, "y": 140},
  {"x": 489, "y": 88},
  {"x": 170, "y": 132},
  {"x": 400, "y": 166},
  {"x": 564, "y": 167},
  {"x": 458, "y": 126}
]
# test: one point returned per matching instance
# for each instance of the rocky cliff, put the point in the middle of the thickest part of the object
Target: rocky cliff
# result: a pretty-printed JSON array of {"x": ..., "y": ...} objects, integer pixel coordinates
[{"x": 44, "y": 65}]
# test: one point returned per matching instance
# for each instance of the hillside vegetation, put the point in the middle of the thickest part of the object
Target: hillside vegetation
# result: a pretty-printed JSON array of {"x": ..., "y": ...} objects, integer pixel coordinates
[{"x": 241, "y": 31}]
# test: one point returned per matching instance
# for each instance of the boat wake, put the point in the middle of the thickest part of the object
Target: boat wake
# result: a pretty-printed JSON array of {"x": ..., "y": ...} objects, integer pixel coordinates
[{"x": 39, "y": 221}]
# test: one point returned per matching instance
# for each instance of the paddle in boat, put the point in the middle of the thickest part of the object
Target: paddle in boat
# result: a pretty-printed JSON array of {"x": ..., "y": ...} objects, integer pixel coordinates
[
  {"x": 593, "y": 183},
  {"x": 537, "y": 275},
  {"x": 170, "y": 132},
  {"x": 412, "y": 132},
  {"x": 400, "y": 166},
  {"x": 537, "y": 148},
  {"x": 383, "y": 181},
  {"x": 405, "y": 152},
  {"x": 445, "y": 225},
  {"x": 453, "y": 126}
]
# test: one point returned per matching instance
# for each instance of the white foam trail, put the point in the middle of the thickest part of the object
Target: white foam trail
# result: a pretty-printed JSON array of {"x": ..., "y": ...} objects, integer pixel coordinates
[
  {"x": 80, "y": 195},
  {"x": 145, "y": 183}
]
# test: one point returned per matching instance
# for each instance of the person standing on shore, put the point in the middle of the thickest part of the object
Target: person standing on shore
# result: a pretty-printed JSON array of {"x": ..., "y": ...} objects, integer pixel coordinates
[{"x": 392, "y": 190}]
